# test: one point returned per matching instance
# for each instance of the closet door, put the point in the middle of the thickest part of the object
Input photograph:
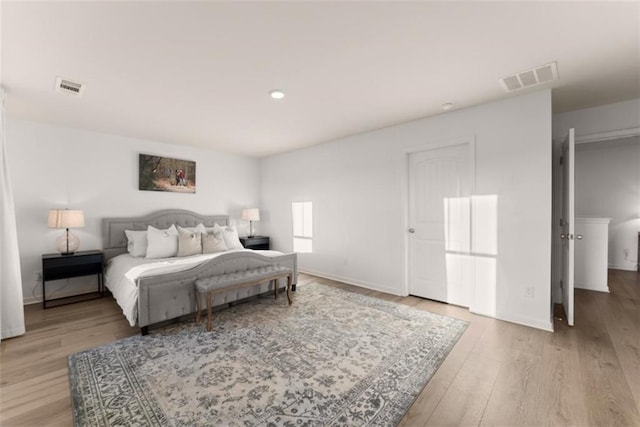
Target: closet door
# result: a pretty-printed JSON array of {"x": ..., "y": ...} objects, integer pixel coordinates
[{"x": 439, "y": 224}]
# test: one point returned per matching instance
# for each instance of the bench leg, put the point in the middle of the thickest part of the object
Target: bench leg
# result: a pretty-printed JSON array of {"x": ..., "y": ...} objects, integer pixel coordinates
[
  {"x": 198, "y": 307},
  {"x": 209, "y": 322},
  {"x": 275, "y": 287},
  {"x": 289, "y": 280}
]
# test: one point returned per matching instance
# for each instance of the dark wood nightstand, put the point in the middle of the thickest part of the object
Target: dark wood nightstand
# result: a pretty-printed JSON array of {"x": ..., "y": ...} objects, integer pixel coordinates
[
  {"x": 255, "y": 242},
  {"x": 58, "y": 266}
]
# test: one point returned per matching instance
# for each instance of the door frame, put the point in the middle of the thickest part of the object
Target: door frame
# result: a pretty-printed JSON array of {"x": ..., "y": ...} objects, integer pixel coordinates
[
  {"x": 608, "y": 135},
  {"x": 470, "y": 141},
  {"x": 556, "y": 261}
]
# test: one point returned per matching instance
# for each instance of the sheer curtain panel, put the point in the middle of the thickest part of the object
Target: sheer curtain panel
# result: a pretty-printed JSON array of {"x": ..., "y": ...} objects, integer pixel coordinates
[{"x": 11, "y": 306}]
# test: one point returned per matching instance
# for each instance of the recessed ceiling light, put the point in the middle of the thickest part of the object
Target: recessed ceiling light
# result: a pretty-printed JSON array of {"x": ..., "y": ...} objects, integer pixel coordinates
[
  {"x": 447, "y": 106},
  {"x": 276, "y": 94}
]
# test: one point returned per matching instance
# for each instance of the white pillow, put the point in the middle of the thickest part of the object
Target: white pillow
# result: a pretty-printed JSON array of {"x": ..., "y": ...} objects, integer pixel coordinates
[
  {"x": 137, "y": 242},
  {"x": 231, "y": 238},
  {"x": 216, "y": 228},
  {"x": 189, "y": 241},
  {"x": 162, "y": 243}
]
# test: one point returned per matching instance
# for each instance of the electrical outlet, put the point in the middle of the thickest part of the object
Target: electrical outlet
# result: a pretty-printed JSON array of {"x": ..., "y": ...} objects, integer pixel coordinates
[
  {"x": 37, "y": 276},
  {"x": 528, "y": 292}
]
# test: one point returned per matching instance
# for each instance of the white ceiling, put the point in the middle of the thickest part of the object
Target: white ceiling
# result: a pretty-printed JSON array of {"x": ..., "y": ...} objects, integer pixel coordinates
[{"x": 199, "y": 73}]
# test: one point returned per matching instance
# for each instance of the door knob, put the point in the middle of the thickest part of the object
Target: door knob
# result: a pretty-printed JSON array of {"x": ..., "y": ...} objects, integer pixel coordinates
[
  {"x": 579, "y": 236},
  {"x": 563, "y": 236},
  {"x": 412, "y": 230}
]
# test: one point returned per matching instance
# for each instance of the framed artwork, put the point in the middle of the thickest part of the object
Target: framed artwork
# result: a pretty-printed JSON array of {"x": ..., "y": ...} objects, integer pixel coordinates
[{"x": 166, "y": 174}]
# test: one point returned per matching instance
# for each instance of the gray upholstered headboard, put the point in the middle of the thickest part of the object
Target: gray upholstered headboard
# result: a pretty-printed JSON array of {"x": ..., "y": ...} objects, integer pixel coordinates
[{"x": 114, "y": 240}]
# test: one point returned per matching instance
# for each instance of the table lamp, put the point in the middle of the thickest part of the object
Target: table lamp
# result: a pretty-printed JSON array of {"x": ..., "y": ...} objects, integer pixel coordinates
[
  {"x": 67, "y": 243},
  {"x": 252, "y": 214}
]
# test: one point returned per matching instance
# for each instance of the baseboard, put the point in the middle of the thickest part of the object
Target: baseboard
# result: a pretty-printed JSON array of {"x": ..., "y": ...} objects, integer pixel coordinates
[
  {"x": 591, "y": 288},
  {"x": 31, "y": 300},
  {"x": 60, "y": 294},
  {"x": 350, "y": 281},
  {"x": 545, "y": 325},
  {"x": 622, "y": 267}
]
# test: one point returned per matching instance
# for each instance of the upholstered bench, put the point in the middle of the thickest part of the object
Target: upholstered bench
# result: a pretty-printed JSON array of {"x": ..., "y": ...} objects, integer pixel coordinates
[{"x": 240, "y": 279}]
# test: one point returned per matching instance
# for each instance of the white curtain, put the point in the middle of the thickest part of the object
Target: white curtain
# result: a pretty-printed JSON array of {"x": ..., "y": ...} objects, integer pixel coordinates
[{"x": 11, "y": 306}]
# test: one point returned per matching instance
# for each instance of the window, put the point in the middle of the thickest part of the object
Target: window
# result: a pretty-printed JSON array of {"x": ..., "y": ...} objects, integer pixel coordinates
[{"x": 302, "y": 226}]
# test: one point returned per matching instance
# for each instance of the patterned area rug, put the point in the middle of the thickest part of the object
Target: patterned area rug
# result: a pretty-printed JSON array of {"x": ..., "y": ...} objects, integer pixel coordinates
[{"x": 332, "y": 358}]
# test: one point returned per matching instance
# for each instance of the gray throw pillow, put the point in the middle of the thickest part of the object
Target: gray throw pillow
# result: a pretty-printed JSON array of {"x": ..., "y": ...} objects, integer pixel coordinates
[
  {"x": 213, "y": 241},
  {"x": 189, "y": 242}
]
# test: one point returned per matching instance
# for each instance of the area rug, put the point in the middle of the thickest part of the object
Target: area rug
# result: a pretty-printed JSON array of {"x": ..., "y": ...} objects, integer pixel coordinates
[{"x": 333, "y": 358}]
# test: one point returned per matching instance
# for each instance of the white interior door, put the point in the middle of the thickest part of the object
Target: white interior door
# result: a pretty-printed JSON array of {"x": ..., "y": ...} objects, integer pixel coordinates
[
  {"x": 439, "y": 224},
  {"x": 568, "y": 223}
]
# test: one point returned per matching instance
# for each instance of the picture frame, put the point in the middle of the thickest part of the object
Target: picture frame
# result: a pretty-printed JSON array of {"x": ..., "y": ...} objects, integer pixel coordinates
[{"x": 157, "y": 173}]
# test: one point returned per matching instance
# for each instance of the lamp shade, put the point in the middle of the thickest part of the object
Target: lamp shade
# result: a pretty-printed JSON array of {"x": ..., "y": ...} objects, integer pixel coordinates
[
  {"x": 65, "y": 218},
  {"x": 252, "y": 214}
]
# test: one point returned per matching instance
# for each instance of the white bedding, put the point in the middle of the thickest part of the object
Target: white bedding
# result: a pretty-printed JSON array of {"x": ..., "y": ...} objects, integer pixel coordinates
[{"x": 123, "y": 271}]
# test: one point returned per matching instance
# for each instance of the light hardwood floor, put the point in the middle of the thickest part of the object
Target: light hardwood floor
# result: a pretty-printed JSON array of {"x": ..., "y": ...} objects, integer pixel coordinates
[{"x": 497, "y": 374}]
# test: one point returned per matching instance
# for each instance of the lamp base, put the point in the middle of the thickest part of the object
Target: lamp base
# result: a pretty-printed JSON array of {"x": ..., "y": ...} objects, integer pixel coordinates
[{"x": 67, "y": 243}]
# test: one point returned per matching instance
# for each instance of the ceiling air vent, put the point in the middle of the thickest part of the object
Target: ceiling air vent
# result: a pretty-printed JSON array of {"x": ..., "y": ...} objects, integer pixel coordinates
[
  {"x": 529, "y": 78},
  {"x": 69, "y": 87}
]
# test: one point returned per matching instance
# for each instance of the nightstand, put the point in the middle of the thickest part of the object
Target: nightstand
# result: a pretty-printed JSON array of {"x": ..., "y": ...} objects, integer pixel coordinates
[
  {"x": 58, "y": 266},
  {"x": 255, "y": 242}
]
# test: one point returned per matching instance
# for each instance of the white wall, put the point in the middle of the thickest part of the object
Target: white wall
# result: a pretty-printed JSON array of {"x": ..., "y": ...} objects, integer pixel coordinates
[
  {"x": 59, "y": 167},
  {"x": 357, "y": 186},
  {"x": 608, "y": 185},
  {"x": 605, "y": 118},
  {"x": 602, "y": 120}
]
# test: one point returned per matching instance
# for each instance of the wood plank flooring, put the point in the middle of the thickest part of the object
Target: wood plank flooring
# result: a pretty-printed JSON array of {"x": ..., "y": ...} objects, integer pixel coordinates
[{"x": 498, "y": 374}]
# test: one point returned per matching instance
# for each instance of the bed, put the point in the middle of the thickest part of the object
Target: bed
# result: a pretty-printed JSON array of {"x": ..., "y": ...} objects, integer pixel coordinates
[{"x": 152, "y": 292}]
